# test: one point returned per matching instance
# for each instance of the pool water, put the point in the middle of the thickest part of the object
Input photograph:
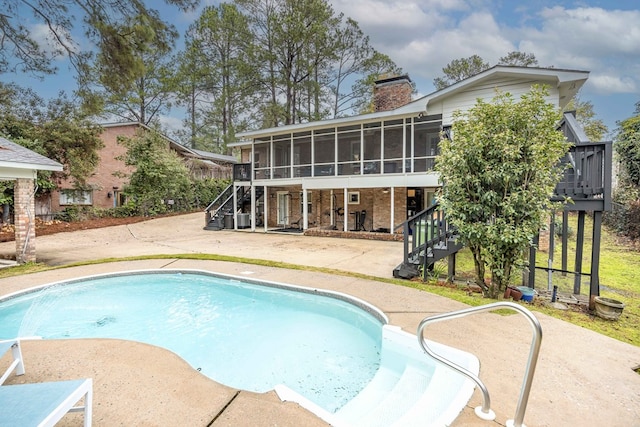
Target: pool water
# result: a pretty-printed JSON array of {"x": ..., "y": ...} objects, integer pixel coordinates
[{"x": 243, "y": 335}]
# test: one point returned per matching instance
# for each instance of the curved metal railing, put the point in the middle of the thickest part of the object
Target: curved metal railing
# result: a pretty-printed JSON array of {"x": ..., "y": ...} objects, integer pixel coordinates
[{"x": 485, "y": 411}]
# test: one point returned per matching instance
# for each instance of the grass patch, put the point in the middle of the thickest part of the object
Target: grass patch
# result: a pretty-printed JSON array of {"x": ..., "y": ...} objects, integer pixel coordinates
[{"x": 619, "y": 280}]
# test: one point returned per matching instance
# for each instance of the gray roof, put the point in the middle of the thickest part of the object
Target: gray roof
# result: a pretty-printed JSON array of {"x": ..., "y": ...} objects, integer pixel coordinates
[
  {"x": 199, "y": 154},
  {"x": 202, "y": 155},
  {"x": 215, "y": 156},
  {"x": 15, "y": 156}
]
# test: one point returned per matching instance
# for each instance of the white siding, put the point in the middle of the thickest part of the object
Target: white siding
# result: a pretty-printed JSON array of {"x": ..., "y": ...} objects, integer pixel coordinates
[{"x": 466, "y": 99}]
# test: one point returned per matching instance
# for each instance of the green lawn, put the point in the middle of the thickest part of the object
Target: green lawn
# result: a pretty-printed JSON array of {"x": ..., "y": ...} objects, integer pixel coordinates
[{"x": 619, "y": 279}]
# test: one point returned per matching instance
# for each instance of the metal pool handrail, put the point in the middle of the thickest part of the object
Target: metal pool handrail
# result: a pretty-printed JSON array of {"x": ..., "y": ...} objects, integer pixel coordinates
[{"x": 485, "y": 411}]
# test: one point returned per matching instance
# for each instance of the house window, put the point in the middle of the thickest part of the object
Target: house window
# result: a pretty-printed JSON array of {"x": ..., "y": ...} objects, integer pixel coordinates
[
  {"x": 309, "y": 204},
  {"x": 353, "y": 197},
  {"x": 76, "y": 197}
]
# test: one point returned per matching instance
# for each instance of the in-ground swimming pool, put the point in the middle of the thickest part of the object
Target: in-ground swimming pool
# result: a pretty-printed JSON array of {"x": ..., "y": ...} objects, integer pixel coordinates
[
  {"x": 331, "y": 353},
  {"x": 240, "y": 334}
]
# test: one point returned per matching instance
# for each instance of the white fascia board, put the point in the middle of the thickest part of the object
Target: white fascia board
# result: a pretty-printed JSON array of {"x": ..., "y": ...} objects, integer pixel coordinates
[
  {"x": 30, "y": 166},
  {"x": 11, "y": 173},
  {"x": 430, "y": 179},
  {"x": 342, "y": 121}
]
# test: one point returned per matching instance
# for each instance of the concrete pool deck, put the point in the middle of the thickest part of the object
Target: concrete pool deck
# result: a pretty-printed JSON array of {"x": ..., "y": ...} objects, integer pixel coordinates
[{"x": 582, "y": 378}]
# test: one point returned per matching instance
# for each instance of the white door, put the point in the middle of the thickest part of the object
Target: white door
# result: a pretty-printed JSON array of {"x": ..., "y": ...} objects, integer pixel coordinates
[{"x": 283, "y": 208}]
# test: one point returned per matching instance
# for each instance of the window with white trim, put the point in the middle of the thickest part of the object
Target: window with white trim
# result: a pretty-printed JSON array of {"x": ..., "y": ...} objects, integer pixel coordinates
[{"x": 76, "y": 197}]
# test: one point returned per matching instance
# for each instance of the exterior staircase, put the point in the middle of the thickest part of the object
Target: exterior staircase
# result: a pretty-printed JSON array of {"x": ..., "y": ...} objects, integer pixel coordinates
[
  {"x": 223, "y": 205},
  {"x": 428, "y": 238}
]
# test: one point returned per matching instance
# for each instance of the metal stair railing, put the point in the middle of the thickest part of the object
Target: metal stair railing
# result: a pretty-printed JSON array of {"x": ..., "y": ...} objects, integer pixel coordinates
[
  {"x": 485, "y": 411},
  {"x": 219, "y": 203},
  {"x": 428, "y": 229}
]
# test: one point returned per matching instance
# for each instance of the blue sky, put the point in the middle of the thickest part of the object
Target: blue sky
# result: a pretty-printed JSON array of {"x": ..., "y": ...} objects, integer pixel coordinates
[{"x": 423, "y": 36}]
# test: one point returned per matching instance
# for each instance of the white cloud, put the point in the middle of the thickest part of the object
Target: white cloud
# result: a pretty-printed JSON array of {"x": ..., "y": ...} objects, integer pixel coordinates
[
  {"x": 422, "y": 36},
  {"x": 583, "y": 37},
  {"x": 425, "y": 56},
  {"x": 605, "y": 42},
  {"x": 609, "y": 84},
  {"x": 170, "y": 124},
  {"x": 48, "y": 42}
]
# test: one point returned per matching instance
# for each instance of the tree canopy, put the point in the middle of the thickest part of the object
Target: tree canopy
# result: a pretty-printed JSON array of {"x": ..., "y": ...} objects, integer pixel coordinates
[
  {"x": 498, "y": 172},
  {"x": 256, "y": 63},
  {"x": 57, "y": 129},
  {"x": 107, "y": 23},
  {"x": 160, "y": 179},
  {"x": 628, "y": 149},
  {"x": 460, "y": 69},
  {"x": 595, "y": 128},
  {"x": 520, "y": 59}
]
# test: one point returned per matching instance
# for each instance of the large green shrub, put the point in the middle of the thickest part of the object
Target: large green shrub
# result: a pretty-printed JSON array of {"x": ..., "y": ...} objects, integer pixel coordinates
[
  {"x": 160, "y": 181},
  {"x": 206, "y": 190},
  {"x": 498, "y": 171}
]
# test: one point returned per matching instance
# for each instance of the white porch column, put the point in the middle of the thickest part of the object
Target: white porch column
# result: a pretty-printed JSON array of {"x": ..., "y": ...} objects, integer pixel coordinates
[
  {"x": 305, "y": 207},
  {"x": 332, "y": 212},
  {"x": 393, "y": 209},
  {"x": 253, "y": 208},
  {"x": 25, "y": 220},
  {"x": 265, "y": 213},
  {"x": 235, "y": 206},
  {"x": 345, "y": 226}
]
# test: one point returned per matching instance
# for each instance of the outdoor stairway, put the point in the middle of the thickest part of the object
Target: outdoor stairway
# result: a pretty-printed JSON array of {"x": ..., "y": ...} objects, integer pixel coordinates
[
  {"x": 428, "y": 238},
  {"x": 223, "y": 204}
]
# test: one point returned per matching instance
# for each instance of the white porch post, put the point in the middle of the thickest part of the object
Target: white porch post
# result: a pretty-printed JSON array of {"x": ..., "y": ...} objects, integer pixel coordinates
[
  {"x": 235, "y": 204},
  {"x": 253, "y": 208},
  {"x": 345, "y": 226},
  {"x": 305, "y": 213},
  {"x": 332, "y": 212},
  {"x": 265, "y": 213},
  {"x": 393, "y": 209}
]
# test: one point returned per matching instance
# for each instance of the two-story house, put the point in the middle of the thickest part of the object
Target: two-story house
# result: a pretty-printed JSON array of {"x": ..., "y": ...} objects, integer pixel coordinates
[{"x": 373, "y": 171}]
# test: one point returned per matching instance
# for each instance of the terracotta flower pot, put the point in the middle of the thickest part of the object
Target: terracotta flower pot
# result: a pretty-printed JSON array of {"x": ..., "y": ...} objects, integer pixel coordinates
[{"x": 516, "y": 294}]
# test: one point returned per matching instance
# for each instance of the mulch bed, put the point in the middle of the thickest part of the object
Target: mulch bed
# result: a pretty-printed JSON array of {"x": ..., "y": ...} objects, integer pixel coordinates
[{"x": 44, "y": 228}]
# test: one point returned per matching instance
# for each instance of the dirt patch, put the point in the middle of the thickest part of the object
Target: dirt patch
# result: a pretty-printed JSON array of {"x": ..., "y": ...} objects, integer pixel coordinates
[{"x": 43, "y": 228}]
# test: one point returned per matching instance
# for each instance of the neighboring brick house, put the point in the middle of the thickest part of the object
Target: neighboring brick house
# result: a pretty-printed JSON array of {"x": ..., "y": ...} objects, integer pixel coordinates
[
  {"x": 105, "y": 187},
  {"x": 371, "y": 171}
]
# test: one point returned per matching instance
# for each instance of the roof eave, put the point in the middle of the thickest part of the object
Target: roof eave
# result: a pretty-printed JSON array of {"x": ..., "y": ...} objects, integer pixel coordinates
[
  {"x": 31, "y": 166},
  {"x": 568, "y": 82}
]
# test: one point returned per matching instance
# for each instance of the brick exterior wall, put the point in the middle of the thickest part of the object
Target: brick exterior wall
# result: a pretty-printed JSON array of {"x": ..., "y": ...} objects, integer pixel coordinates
[
  {"x": 372, "y": 200},
  {"x": 103, "y": 180},
  {"x": 24, "y": 220},
  {"x": 392, "y": 93}
]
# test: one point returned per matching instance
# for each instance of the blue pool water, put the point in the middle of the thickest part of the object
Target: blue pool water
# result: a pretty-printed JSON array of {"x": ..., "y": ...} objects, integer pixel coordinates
[{"x": 244, "y": 335}]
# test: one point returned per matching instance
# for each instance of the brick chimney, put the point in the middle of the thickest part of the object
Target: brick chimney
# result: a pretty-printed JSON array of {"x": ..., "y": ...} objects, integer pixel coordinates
[{"x": 392, "y": 92}]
